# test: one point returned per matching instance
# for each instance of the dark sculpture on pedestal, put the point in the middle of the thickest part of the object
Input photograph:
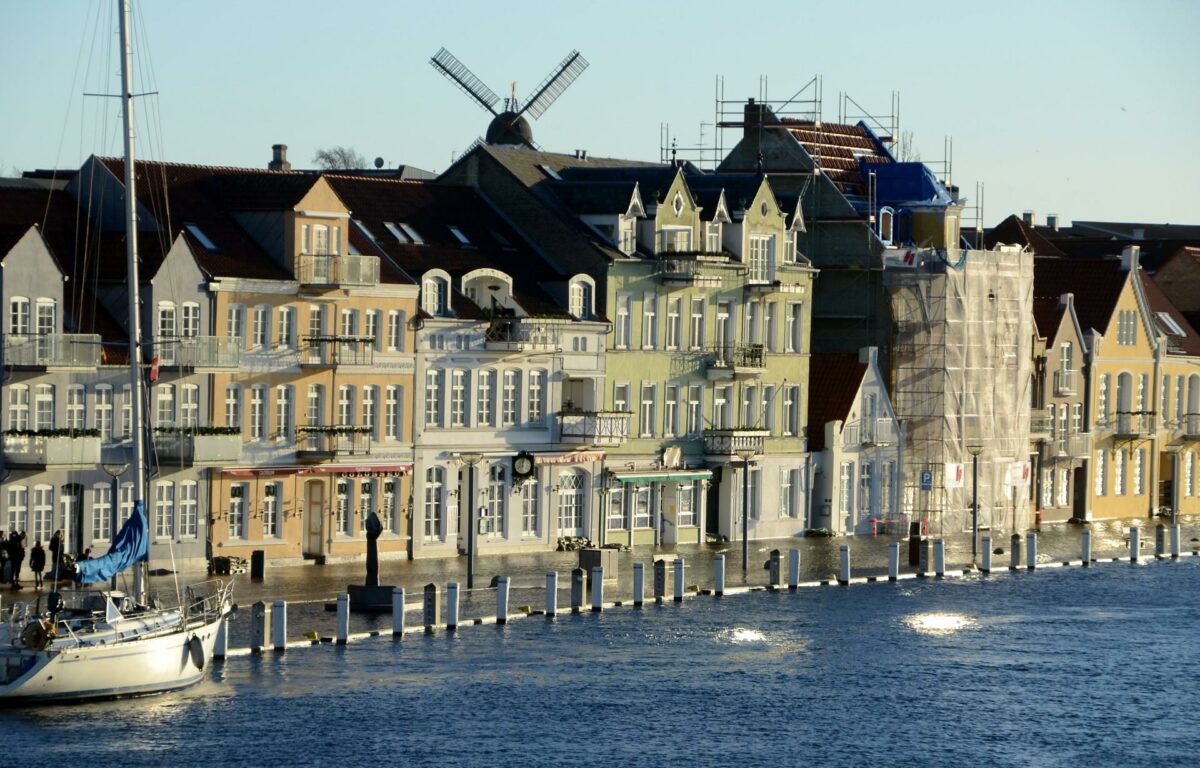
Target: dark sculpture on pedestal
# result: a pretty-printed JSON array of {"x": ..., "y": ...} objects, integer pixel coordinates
[{"x": 371, "y": 597}]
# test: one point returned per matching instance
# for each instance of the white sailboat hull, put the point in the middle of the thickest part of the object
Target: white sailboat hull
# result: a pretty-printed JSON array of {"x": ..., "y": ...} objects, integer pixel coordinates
[{"x": 136, "y": 667}]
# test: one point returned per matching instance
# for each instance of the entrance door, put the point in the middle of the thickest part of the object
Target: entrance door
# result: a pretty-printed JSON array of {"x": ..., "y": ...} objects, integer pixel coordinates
[
  {"x": 314, "y": 516},
  {"x": 1166, "y": 480}
]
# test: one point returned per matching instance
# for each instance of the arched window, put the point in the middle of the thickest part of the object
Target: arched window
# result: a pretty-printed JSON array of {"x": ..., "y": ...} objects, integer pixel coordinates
[
  {"x": 435, "y": 293},
  {"x": 581, "y": 301},
  {"x": 887, "y": 219}
]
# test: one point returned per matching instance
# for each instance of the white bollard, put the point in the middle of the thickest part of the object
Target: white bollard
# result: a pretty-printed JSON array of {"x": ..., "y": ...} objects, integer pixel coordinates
[
  {"x": 501, "y": 600},
  {"x": 1175, "y": 541},
  {"x": 719, "y": 575},
  {"x": 986, "y": 547},
  {"x": 793, "y": 568},
  {"x": 279, "y": 625},
  {"x": 452, "y": 606},
  {"x": 844, "y": 564},
  {"x": 639, "y": 584},
  {"x": 343, "y": 618},
  {"x": 551, "y": 593},
  {"x": 894, "y": 561},
  {"x": 398, "y": 612},
  {"x": 1134, "y": 543},
  {"x": 597, "y": 589},
  {"x": 1085, "y": 544},
  {"x": 221, "y": 648},
  {"x": 1031, "y": 550},
  {"x": 679, "y": 569},
  {"x": 939, "y": 558}
]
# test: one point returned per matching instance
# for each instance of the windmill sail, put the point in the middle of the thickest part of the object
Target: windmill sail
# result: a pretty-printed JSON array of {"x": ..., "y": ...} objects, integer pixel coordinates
[
  {"x": 464, "y": 78},
  {"x": 554, "y": 85}
]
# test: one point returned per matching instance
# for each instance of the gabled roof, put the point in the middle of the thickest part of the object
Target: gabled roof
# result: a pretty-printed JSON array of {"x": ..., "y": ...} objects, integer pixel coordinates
[
  {"x": 834, "y": 381},
  {"x": 1182, "y": 338},
  {"x": 1096, "y": 283},
  {"x": 1047, "y": 316},
  {"x": 1014, "y": 231},
  {"x": 738, "y": 189}
]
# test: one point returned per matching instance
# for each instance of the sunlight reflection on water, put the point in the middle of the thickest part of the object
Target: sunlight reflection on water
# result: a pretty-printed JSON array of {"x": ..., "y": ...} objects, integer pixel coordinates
[{"x": 938, "y": 623}]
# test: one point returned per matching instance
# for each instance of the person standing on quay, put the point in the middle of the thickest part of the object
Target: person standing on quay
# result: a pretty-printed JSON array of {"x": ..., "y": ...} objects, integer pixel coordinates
[
  {"x": 56, "y": 553},
  {"x": 37, "y": 563},
  {"x": 16, "y": 553}
]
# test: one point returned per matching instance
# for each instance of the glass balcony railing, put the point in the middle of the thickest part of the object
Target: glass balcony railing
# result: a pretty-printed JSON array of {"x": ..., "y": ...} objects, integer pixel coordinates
[
  {"x": 334, "y": 270},
  {"x": 52, "y": 350},
  {"x": 211, "y": 352}
]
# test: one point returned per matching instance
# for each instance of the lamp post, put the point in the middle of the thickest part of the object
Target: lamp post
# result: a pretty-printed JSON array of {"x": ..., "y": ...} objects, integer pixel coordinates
[
  {"x": 745, "y": 454},
  {"x": 114, "y": 470},
  {"x": 974, "y": 449},
  {"x": 470, "y": 461}
]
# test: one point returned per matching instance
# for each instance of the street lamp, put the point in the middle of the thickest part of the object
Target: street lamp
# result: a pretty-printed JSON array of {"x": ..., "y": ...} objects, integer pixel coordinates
[
  {"x": 974, "y": 449},
  {"x": 470, "y": 461},
  {"x": 114, "y": 469},
  {"x": 745, "y": 454}
]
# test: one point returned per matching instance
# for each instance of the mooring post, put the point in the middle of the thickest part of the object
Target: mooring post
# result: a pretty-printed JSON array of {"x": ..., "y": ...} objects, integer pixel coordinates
[
  {"x": 1134, "y": 543},
  {"x": 501, "y": 600},
  {"x": 1014, "y": 552},
  {"x": 939, "y": 558},
  {"x": 660, "y": 581},
  {"x": 597, "y": 589},
  {"x": 774, "y": 569},
  {"x": 793, "y": 568},
  {"x": 221, "y": 648},
  {"x": 260, "y": 622},
  {"x": 639, "y": 584},
  {"x": 279, "y": 625},
  {"x": 431, "y": 608},
  {"x": 679, "y": 566},
  {"x": 894, "y": 561},
  {"x": 719, "y": 575},
  {"x": 986, "y": 551},
  {"x": 844, "y": 564},
  {"x": 551, "y": 593},
  {"x": 576, "y": 589},
  {"x": 452, "y": 606},
  {"x": 1160, "y": 541},
  {"x": 343, "y": 618},
  {"x": 1085, "y": 544},
  {"x": 1175, "y": 541},
  {"x": 398, "y": 612},
  {"x": 1031, "y": 550}
]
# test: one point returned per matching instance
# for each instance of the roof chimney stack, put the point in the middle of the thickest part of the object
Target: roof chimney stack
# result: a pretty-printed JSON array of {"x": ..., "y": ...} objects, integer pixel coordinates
[
  {"x": 1129, "y": 258},
  {"x": 1052, "y": 221},
  {"x": 1029, "y": 217},
  {"x": 279, "y": 161}
]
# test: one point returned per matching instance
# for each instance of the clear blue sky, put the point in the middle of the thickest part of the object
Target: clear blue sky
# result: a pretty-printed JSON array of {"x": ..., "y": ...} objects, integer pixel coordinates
[{"x": 1082, "y": 108}]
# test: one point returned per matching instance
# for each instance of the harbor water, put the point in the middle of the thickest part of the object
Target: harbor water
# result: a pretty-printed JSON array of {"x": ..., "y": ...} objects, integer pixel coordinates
[{"x": 1062, "y": 667}]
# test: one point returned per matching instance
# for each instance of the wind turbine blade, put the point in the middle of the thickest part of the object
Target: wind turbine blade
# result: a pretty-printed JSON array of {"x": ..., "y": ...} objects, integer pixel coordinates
[
  {"x": 553, "y": 86},
  {"x": 457, "y": 72}
]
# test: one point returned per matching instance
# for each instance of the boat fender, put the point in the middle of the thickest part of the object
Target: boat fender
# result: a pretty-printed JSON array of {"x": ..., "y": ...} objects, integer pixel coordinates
[{"x": 196, "y": 649}]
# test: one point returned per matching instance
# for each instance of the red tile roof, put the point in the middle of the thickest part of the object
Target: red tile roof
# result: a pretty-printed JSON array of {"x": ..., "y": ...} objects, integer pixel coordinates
[
  {"x": 837, "y": 149},
  {"x": 1186, "y": 344},
  {"x": 833, "y": 383}
]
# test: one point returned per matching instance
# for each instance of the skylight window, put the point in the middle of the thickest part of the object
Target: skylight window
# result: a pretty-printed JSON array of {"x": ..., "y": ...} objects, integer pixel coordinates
[
  {"x": 459, "y": 235},
  {"x": 1169, "y": 323},
  {"x": 396, "y": 233},
  {"x": 370, "y": 235},
  {"x": 199, "y": 235},
  {"x": 412, "y": 234},
  {"x": 550, "y": 172}
]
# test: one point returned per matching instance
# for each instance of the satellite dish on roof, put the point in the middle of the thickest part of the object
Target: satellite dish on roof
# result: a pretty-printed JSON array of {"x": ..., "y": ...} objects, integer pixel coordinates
[{"x": 379, "y": 162}]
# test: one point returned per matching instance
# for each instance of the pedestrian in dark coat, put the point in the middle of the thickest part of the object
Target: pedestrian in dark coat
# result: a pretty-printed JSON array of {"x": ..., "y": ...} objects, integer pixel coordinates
[
  {"x": 16, "y": 553},
  {"x": 37, "y": 563},
  {"x": 56, "y": 553}
]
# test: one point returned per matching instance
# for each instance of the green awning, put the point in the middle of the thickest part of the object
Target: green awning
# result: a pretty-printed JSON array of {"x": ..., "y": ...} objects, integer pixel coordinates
[{"x": 665, "y": 474}]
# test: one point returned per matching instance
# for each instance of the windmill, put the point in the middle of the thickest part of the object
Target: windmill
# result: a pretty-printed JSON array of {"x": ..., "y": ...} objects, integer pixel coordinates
[{"x": 510, "y": 125}]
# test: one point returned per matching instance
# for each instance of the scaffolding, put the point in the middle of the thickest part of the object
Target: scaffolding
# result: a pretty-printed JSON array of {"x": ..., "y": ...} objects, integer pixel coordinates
[{"x": 961, "y": 373}]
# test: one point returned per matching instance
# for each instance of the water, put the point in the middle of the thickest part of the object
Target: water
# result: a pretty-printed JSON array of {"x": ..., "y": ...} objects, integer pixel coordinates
[{"x": 1063, "y": 667}]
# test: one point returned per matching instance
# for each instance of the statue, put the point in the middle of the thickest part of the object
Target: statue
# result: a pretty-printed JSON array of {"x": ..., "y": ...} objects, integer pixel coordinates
[
  {"x": 374, "y": 528},
  {"x": 371, "y": 597}
]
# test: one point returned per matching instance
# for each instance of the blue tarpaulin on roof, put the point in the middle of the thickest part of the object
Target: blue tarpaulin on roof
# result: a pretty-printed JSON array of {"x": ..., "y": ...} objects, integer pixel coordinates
[
  {"x": 130, "y": 546},
  {"x": 899, "y": 183}
]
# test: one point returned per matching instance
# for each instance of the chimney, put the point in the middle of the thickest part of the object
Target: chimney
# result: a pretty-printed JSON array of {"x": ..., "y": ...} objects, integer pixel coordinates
[
  {"x": 1029, "y": 217},
  {"x": 279, "y": 160},
  {"x": 1052, "y": 221},
  {"x": 1139, "y": 233},
  {"x": 1129, "y": 257}
]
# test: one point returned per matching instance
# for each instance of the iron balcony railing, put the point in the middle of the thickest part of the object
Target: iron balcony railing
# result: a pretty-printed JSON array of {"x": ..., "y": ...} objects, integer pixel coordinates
[
  {"x": 330, "y": 351},
  {"x": 333, "y": 441},
  {"x": 594, "y": 427},
  {"x": 212, "y": 352},
  {"x": 1132, "y": 424},
  {"x": 521, "y": 334},
  {"x": 333, "y": 270},
  {"x": 737, "y": 356},
  {"x": 1191, "y": 426},
  {"x": 731, "y": 442},
  {"x": 49, "y": 350},
  {"x": 685, "y": 269}
]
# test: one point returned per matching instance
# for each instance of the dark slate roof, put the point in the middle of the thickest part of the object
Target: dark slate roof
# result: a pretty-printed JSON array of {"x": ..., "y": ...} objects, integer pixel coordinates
[
  {"x": 1096, "y": 283},
  {"x": 653, "y": 181},
  {"x": 1014, "y": 231},
  {"x": 1128, "y": 230},
  {"x": 587, "y": 197},
  {"x": 1047, "y": 316},
  {"x": 1152, "y": 252},
  {"x": 833, "y": 382},
  {"x": 22, "y": 207},
  {"x": 1187, "y": 343},
  {"x": 739, "y": 189}
]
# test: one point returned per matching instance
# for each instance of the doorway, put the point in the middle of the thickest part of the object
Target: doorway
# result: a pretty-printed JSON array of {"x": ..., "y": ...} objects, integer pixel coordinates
[{"x": 314, "y": 517}]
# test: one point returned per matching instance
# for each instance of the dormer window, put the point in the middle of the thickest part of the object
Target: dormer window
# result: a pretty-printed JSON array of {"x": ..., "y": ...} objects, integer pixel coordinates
[
  {"x": 550, "y": 172},
  {"x": 675, "y": 239},
  {"x": 712, "y": 237},
  {"x": 412, "y": 234},
  {"x": 886, "y": 224},
  {"x": 628, "y": 236},
  {"x": 581, "y": 297},
  {"x": 202, "y": 238},
  {"x": 458, "y": 235},
  {"x": 435, "y": 293}
]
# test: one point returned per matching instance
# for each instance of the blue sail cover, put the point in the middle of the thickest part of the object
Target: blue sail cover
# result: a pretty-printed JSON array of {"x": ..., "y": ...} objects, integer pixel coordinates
[{"x": 132, "y": 545}]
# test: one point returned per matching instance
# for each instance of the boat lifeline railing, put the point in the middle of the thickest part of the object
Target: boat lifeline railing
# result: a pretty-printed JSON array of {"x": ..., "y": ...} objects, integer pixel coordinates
[{"x": 207, "y": 600}]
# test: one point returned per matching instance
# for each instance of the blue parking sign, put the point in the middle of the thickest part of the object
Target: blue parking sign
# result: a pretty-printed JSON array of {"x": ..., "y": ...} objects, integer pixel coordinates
[{"x": 926, "y": 479}]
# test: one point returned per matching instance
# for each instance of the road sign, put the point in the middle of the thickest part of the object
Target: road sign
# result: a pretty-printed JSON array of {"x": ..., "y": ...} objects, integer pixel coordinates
[{"x": 926, "y": 479}]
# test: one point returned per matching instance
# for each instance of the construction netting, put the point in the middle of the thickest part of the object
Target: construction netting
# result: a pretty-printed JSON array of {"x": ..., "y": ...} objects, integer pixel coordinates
[{"x": 962, "y": 324}]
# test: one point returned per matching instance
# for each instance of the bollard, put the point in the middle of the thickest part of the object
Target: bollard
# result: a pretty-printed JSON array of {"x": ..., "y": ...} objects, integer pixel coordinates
[
  {"x": 719, "y": 575},
  {"x": 279, "y": 625},
  {"x": 398, "y": 612},
  {"x": 986, "y": 551},
  {"x": 576, "y": 590},
  {"x": 452, "y": 606},
  {"x": 431, "y": 608},
  {"x": 660, "y": 581},
  {"x": 894, "y": 561},
  {"x": 258, "y": 561},
  {"x": 1160, "y": 540},
  {"x": 939, "y": 558},
  {"x": 501, "y": 600},
  {"x": 260, "y": 623},
  {"x": 1134, "y": 543},
  {"x": 1175, "y": 541},
  {"x": 1085, "y": 544},
  {"x": 551, "y": 593},
  {"x": 343, "y": 618},
  {"x": 639, "y": 584},
  {"x": 844, "y": 564},
  {"x": 597, "y": 589},
  {"x": 679, "y": 568},
  {"x": 773, "y": 570},
  {"x": 793, "y": 568},
  {"x": 221, "y": 647},
  {"x": 1014, "y": 553},
  {"x": 1031, "y": 550}
]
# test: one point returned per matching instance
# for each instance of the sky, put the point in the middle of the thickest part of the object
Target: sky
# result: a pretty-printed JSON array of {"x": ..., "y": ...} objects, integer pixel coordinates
[{"x": 1071, "y": 107}]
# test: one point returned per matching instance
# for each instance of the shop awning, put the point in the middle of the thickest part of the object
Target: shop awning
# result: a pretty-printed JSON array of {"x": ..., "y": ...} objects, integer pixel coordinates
[{"x": 663, "y": 475}]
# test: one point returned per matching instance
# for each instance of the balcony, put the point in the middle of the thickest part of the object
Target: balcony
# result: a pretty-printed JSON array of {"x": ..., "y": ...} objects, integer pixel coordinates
[
  {"x": 732, "y": 360},
  {"x": 594, "y": 427},
  {"x": 213, "y": 353},
  {"x": 1132, "y": 425},
  {"x": 335, "y": 351},
  {"x": 51, "y": 350},
  {"x": 206, "y": 445},
  {"x": 1077, "y": 446},
  {"x": 681, "y": 270},
  {"x": 1191, "y": 426},
  {"x": 728, "y": 442},
  {"x": 1064, "y": 383},
  {"x": 321, "y": 442},
  {"x": 871, "y": 432},
  {"x": 513, "y": 334},
  {"x": 39, "y": 451},
  {"x": 1040, "y": 423},
  {"x": 337, "y": 271}
]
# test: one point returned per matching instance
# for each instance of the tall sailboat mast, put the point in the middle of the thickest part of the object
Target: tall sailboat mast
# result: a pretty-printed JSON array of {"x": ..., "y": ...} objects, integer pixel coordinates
[{"x": 137, "y": 429}]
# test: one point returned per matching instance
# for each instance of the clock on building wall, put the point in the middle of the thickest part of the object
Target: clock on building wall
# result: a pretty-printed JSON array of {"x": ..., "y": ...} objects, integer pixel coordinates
[{"x": 522, "y": 465}]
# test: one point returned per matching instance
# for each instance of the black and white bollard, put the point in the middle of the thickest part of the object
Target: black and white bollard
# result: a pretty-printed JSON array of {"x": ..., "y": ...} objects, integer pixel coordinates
[
  {"x": 452, "y": 606},
  {"x": 679, "y": 568},
  {"x": 576, "y": 590},
  {"x": 774, "y": 570},
  {"x": 1160, "y": 541},
  {"x": 639, "y": 584},
  {"x": 986, "y": 550},
  {"x": 939, "y": 558},
  {"x": 894, "y": 561},
  {"x": 551, "y": 593},
  {"x": 343, "y": 618},
  {"x": 1175, "y": 541},
  {"x": 1014, "y": 552},
  {"x": 260, "y": 625},
  {"x": 501, "y": 600},
  {"x": 844, "y": 564},
  {"x": 279, "y": 625},
  {"x": 398, "y": 612},
  {"x": 660, "y": 581},
  {"x": 431, "y": 608},
  {"x": 1031, "y": 550},
  {"x": 719, "y": 575},
  {"x": 1134, "y": 543},
  {"x": 221, "y": 647},
  {"x": 1085, "y": 546},
  {"x": 597, "y": 589},
  {"x": 793, "y": 569}
]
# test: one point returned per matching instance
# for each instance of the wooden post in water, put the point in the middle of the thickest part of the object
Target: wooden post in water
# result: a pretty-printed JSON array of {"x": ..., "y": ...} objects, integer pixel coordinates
[
  {"x": 551, "y": 593},
  {"x": 221, "y": 648},
  {"x": 986, "y": 550},
  {"x": 773, "y": 569},
  {"x": 660, "y": 581},
  {"x": 452, "y": 606},
  {"x": 576, "y": 590},
  {"x": 260, "y": 623},
  {"x": 1085, "y": 544},
  {"x": 793, "y": 568},
  {"x": 1160, "y": 541},
  {"x": 844, "y": 564},
  {"x": 719, "y": 575},
  {"x": 679, "y": 566},
  {"x": 639, "y": 584},
  {"x": 939, "y": 558},
  {"x": 1031, "y": 550},
  {"x": 501, "y": 600},
  {"x": 1175, "y": 541},
  {"x": 1014, "y": 552},
  {"x": 431, "y": 608},
  {"x": 279, "y": 625},
  {"x": 1134, "y": 543},
  {"x": 343, "y": 618},
  {"x": 398, "y": 612},
  {"x": 894, "y": 561},
  {"x": 597, "y": 589}
]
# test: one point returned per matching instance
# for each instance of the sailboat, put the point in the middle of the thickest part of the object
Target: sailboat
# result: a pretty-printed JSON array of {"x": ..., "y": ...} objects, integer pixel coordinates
[{"x": 91, "y": 644}]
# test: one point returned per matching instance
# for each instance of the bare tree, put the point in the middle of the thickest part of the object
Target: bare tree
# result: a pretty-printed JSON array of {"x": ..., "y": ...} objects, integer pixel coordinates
[
  {"x": 339, "y": 158},
  {"x": 906, "y": 151}
]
